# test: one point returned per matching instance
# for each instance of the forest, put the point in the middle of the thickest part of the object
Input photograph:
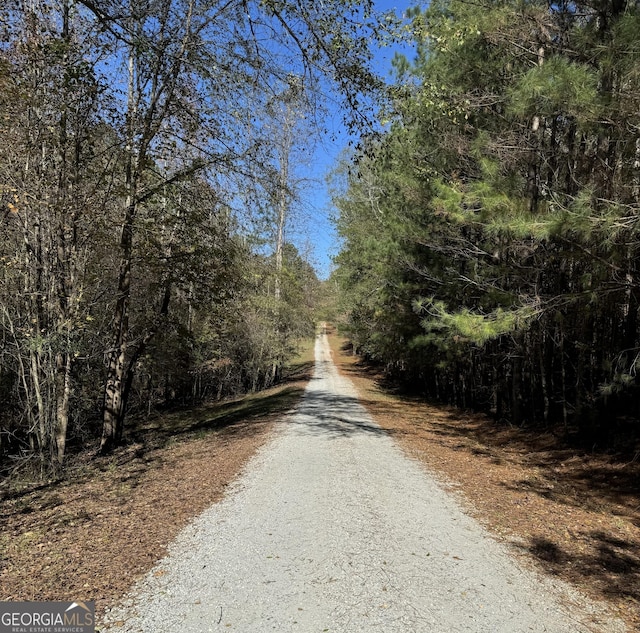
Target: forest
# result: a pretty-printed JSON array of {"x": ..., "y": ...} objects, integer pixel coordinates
[
  {"x": 147, "y": 174},
  {"x": 490, "y": 234},
  {"x": 487, "y": 208}
]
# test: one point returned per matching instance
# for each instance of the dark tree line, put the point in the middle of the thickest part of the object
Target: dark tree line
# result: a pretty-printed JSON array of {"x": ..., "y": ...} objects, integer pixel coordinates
[{"x": 491, "y": 232}]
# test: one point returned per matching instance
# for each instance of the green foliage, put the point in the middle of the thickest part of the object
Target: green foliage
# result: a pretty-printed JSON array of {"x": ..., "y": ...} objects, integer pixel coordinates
[
  {"x": 490, "y": 234},
  {"x": 467, "y": 326},
  {"x": 557, "y": 86}
]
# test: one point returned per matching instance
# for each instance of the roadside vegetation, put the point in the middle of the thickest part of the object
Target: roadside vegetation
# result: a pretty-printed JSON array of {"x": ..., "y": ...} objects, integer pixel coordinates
[
  {"x": 490, "y": 234},
  {"x": 151, "y": 164},
  {"x": 111, "y": 520}
]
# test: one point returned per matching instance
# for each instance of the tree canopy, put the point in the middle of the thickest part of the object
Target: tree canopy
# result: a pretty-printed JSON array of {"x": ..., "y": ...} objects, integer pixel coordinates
[
  {"x": 490, "y": 252},
  {"x": 136, "y": 136}
]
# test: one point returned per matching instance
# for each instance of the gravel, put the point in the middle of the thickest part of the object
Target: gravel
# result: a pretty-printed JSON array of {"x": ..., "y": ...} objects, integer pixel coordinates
[{"x": 331, "y": 528}]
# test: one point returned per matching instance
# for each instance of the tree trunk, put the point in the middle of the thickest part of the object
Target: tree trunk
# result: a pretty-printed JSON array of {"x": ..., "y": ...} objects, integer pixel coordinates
[
  {"x": 63, "y": 392},
  {"x": 533, "y": 173},
  {"x": 516, "y": 389},
  {"x": 113, "y": 406},
  {"x": 65, "y": 261}
]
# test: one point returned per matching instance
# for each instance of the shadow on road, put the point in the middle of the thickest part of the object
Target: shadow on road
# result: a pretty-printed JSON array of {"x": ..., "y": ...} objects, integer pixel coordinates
[{"x": 327, "y": 413}]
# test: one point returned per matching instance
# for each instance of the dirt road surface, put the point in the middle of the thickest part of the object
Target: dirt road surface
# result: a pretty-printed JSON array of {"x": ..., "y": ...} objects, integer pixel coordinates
[{"x": 331, "y": 528}]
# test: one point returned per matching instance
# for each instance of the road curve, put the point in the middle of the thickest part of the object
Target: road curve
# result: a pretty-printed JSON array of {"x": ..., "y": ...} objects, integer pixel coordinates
[{"x": 331, "y": 528}]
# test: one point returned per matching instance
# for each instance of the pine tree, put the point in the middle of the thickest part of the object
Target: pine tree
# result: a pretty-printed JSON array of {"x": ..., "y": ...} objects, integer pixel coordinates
[{"x": 508, "y": 179}]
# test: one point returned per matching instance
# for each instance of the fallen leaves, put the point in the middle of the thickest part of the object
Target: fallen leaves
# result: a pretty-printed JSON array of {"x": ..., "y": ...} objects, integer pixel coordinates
[
  {"x": 575, "y": 515},
  {"x": 103, "y": 536}
]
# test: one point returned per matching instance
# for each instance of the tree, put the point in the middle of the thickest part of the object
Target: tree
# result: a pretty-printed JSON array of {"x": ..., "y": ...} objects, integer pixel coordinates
[
  {"x": 126, "y": 163},
  {"x": 172, "y": 62},
  {"x": 489, "y": 234},
  {"x": 49, "y": 172}
]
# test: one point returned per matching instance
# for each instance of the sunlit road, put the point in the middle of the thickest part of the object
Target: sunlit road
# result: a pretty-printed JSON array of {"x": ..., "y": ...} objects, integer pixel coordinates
[{"x": 333, "y": 529}]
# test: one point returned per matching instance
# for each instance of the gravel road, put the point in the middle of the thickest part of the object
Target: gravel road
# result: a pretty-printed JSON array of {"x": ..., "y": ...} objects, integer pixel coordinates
[{"x": 331, "y": 528}]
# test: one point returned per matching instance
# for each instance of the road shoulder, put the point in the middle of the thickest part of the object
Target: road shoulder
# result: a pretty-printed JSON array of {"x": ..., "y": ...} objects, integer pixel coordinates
[
  {"x": 572, "y": 516},
  {"x": 93, "y": 535}
]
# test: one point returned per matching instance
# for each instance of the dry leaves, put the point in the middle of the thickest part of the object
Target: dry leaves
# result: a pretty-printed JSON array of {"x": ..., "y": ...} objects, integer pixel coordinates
[{"x": 576, "y": 515}]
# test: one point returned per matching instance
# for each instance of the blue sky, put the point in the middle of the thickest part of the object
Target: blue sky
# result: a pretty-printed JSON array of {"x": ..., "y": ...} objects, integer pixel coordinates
[{"x": 313, "y": 233}]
